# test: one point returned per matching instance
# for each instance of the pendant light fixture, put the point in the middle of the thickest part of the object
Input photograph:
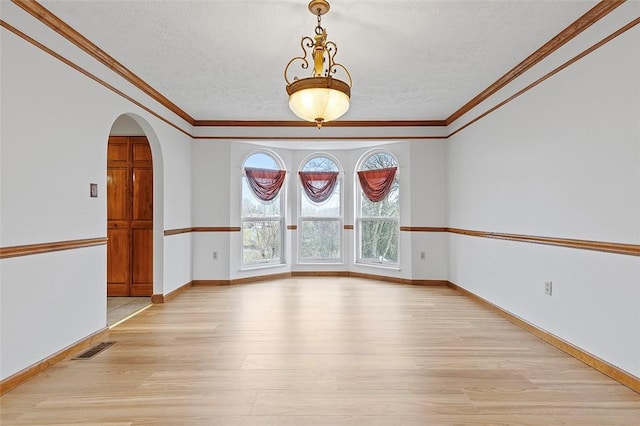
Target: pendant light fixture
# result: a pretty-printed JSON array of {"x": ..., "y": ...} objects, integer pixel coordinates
[{"x": 321, "y": 97}]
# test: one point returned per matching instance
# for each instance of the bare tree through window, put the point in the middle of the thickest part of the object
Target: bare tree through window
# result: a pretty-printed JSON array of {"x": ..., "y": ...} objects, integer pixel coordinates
[
  {"x": 320, "y": 223},
  {"x": 262, "y": 221},
  {"x": 378, "y": 221}
]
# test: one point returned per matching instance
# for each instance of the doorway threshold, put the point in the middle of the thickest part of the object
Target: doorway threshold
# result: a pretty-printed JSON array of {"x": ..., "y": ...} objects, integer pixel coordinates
[{"x": 120, "y": 309}]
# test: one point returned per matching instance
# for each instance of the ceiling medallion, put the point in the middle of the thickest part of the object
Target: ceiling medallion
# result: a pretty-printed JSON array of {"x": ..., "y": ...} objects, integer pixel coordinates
[{"x": 321, "y": 97}]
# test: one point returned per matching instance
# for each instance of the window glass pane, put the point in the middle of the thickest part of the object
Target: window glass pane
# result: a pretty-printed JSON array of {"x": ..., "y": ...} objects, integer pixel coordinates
[
  {"x": 379, "y": 241},
  {"x": 261, "y": 220},
  {"x": 252, "y": 206},
  {"x": 320, "y": 224},
  {"x": 261, "y": 241},
  {"x": 378, "y": 222},
  {"x": 389, "y": 207},
  {"x": 260, "y": 160},
  {"x": 329, "y": 208},
  {"x": 320, "y": 239},
  {"x": 320, "y": 164},
  {"x": 381, "y": 160}
]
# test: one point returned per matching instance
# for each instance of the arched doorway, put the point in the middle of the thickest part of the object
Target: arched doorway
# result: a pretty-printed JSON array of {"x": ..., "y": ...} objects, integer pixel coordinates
[{"x": 129, "y": 216}]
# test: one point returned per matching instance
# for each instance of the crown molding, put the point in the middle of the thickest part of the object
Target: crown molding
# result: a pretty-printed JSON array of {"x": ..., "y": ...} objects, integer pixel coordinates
[
  {"x": 550, "y": 74},
  {"x": 67, "y": 31},
  {"x": 340, "y": 123},
  {"x": 319, "y": 138},
  {"x": 87, "y": 74},
  {"x": 592, "y": 16}
]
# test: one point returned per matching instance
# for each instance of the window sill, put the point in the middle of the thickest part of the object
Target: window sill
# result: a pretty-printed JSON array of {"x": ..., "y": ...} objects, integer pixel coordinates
[
  {"x": 320, "y": 262},
  {"x": 259, "y": 266},
  {"x": 378, "y": 265}
]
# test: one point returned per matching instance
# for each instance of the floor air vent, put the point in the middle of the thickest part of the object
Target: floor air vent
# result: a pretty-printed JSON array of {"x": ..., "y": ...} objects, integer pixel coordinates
[{"x": 95, "y": 350}]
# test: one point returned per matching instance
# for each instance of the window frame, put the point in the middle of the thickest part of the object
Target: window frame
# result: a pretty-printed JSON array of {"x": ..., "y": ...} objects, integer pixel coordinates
[
  {"x": 359, "y": 218},
  {"x": 281, "y": 199},
  {"x": 340, "y": 219}
]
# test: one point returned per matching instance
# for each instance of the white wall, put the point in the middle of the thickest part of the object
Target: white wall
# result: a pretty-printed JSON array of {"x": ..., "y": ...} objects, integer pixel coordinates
[
  {"x": 211, "y": 198},
  {"x": 429, "y": 208},
  {"x": 562, "y": 160},
  {"x": 47, "y": 302},
  {"x": 126, "y": 126},
  {"x": 55, "y": 127},
  {"x": 177, "y": 259}
]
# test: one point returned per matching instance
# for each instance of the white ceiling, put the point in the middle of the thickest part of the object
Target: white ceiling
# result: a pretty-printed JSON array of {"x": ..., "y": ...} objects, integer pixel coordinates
[{"x": 410, "y": 60}]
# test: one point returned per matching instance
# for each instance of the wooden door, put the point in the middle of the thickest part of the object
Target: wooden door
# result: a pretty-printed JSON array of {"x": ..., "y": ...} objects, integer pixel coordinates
[{"x": 129, "y": 217}]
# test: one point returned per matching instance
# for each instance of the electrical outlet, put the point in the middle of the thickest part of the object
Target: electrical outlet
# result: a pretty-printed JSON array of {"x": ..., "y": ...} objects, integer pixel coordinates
[
  {"x": 215, "y": 255},
  {"x": 423, "y": 255},
  {"x": 548, "y": 288}
]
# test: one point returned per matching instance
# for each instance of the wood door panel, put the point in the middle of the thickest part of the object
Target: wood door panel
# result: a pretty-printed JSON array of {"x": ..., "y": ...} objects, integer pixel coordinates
[
  {"x": 118, "y": 290},
  {"x": 141, "y": 151},
  {"x": 142, "y": 194},
  {"x": 118, "y": 150},
  {"x": 117, "y": 193},
  {"x": 142, "y": 260},
  {"x": 139, "y": 290},
  {"x": 118, "y": 255},
  {"x": 130, "y": 217}
]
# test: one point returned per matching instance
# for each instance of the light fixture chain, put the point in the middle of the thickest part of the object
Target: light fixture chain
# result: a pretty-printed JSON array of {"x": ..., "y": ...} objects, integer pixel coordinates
[{"x": 319, "y": 28}]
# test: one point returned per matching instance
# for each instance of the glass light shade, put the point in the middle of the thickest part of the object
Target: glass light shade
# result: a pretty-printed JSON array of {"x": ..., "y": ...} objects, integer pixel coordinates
[{"x": 319, "y": 99}]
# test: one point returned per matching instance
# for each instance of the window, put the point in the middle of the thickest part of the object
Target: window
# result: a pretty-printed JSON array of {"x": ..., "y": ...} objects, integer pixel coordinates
[
  {"x": 320, "y": 217},
  {"x": 262, "y": 210},
  {"x": 378, "y": 210}
]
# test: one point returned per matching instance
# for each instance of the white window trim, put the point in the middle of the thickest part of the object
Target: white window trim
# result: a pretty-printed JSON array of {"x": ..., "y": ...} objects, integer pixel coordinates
[
  {"x": 370, "y": 262},
  {"x": 358, "y": 194},
  {"x": 258, "y": 264},
  {"x": 246, "y": 266},
  {"x": 255, "y": 267},
  {"x": 319, "y": 261}
]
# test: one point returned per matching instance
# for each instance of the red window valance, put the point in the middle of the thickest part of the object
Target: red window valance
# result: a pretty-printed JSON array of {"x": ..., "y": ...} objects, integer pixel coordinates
[
  {"x": 377, "y": 183},
  {"x": 265, "y": 183},
  {"x": 318, "y": 185}
]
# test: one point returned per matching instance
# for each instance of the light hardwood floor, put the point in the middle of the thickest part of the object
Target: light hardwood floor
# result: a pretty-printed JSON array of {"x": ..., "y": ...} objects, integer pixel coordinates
[{"x": 322, "y": 351}]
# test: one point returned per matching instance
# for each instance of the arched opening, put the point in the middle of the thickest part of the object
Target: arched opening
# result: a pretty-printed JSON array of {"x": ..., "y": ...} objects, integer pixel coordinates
[{"x": 134, "y": 217}]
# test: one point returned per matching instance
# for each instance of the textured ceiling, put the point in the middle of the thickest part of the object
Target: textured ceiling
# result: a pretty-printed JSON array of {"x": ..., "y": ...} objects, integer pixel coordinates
[{"x": 410, "y": 60}]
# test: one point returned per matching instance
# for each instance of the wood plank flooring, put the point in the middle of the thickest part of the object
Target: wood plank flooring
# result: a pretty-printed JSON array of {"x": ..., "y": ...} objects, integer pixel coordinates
[{"x": 321, "y": 351}]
